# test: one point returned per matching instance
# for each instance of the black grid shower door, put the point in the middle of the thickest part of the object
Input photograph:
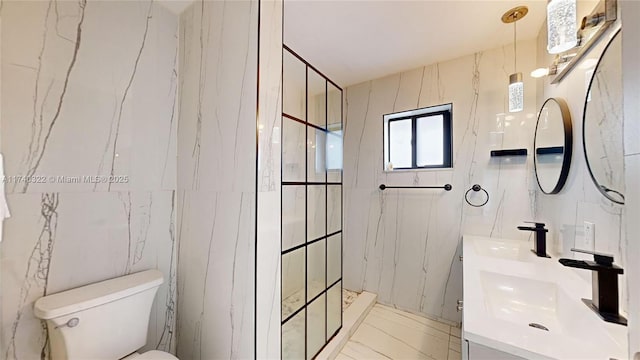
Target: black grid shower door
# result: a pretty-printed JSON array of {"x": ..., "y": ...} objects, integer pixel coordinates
[{"x": 311, "y": 136}]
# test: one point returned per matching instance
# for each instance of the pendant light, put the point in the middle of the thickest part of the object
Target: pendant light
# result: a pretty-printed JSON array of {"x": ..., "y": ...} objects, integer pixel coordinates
[
  {"x": 516, "y": 86},
  {"x": 561, "y": 26}
]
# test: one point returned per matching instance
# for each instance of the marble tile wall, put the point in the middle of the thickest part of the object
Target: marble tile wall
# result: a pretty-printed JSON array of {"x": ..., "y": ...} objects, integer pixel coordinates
[
  {"x": 630, "y": 11},
  {"x": 217, "y": 179},
  {"x": 88, "y": 89},
  {"x": 580, "y": 200},
  {"x": 269, "y": 215},
  {"x": 404, "y": 245}
]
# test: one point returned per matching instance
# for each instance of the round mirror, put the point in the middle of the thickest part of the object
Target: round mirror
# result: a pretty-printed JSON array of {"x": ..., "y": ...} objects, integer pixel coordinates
[
  {"x": 602, "y": 124},
  {"x": 552, "y": 143}
]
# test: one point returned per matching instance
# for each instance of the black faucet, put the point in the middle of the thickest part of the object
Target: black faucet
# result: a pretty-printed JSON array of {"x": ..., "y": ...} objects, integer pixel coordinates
[
  {"x": 540, "y": 245},
  {"x": 604, "y": 287}
]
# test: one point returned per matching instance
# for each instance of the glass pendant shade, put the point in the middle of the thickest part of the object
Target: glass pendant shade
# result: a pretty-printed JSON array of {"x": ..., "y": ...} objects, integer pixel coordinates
[
  {"x": 561, "y": 26},
  {"x": 516, "y": 93}
]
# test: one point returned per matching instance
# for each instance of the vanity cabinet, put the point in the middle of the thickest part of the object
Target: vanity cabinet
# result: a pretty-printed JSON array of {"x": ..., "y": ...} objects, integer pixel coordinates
[{"x": 480, "y": 352}]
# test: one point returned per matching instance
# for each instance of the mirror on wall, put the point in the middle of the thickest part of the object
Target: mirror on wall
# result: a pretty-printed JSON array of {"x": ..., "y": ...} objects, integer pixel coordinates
[
  {"x": 602, "y": 124},
  {"x": 553, "y": 143}
]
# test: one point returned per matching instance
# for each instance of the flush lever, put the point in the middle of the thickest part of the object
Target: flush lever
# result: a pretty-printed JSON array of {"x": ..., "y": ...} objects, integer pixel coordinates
[{"x": 73, "y": 322}]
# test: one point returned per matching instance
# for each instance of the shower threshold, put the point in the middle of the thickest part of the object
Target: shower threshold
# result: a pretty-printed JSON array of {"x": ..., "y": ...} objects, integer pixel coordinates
[{"x": 355, "y": 309}]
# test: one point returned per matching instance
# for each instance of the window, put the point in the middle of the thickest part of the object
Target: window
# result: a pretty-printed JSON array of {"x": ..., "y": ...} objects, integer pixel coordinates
[
  {"x": 334, "y": 150},
  {"x": 418, "y": 139}
]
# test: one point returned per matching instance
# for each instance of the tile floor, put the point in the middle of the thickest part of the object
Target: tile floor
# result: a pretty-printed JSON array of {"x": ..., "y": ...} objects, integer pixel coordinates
[{"x": 387, "y": 333}]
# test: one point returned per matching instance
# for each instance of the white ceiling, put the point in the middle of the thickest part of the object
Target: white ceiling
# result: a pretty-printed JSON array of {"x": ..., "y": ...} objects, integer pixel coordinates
[{"x": 351, "y": 41}]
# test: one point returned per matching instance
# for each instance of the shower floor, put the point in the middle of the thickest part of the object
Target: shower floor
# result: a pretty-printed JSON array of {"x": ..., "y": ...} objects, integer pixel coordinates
[
  {"x": 293, "y": 336},
  {"x": 348, "y": 297}
]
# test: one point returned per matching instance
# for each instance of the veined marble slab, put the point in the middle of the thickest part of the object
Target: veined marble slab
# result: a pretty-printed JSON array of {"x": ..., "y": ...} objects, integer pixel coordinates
[
  {"x": 388, "y": 333},
  {"x": 88, "y": 90},
  {"x": 405, "y": 245}
]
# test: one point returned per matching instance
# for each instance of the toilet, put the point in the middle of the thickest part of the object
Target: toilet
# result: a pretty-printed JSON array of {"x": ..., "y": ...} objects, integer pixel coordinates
[{"x": 108, "y": 320}]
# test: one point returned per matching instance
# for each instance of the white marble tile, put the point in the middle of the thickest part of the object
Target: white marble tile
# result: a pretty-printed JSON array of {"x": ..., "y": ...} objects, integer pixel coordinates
[
  {"x": 88, "y": 89},
  {"x": 394, "y": 334},
  {"x": 54, "y": 242},
  {"x": 454, "y": 343},
  {"x": 216, "y": 132},
  {"x": 456, "y": 332},
  {"x": 435, "y": 328},
  {"x": 356, "y": 350},
  {"x": 215, "y": 275},
  {"x": 407, "y": 242},
  {"x": 632, "y": 169},
  {"x": 580, "y": 200},
  {"x": 454, "y": 355},
  {"x": 116, "y": 88},
  {"x": 217, "y": 179},
  {"x": 268, "y": 262},
  {"x": 631, "y": 82}
]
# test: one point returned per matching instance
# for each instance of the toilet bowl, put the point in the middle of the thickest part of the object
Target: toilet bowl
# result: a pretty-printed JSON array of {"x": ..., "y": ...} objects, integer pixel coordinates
[{"x": 102, "y": 321}]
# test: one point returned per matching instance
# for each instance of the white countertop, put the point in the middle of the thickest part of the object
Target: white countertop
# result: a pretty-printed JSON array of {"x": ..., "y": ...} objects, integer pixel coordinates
[{"x": 506, "y": 287}]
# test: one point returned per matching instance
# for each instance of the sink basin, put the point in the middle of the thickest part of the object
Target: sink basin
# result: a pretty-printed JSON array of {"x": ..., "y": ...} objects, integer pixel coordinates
[
  {"x": 502, "y": 249},
  {"x": 540, "y": 306},
  {"x": 530, "y": 307},
  {"x": 521, "y": 300}
]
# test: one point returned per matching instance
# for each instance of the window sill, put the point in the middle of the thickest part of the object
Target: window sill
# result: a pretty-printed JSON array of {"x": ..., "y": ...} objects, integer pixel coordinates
[{"x": 417, "y": 170}]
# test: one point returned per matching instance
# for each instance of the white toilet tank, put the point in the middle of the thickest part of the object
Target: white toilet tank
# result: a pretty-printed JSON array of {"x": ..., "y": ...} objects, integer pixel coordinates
[{"x": 102, "y": 321}]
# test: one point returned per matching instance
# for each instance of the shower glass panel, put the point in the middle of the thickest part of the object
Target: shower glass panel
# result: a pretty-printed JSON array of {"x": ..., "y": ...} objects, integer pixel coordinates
[
  {"x": 316, "y": 270},
  {"x": 316, "y": 153},
  {"x": 316, "y": 325},
  {"x": 294, "y": 86},
  {"x": 334, "y": 309},
  {"x": 293, "y": 219},
  {"x": 334, "y": 134},
  {"x": 293, "y": 282},
  {"x": 293, "y": 151},
  {"x": 317, "y": 99},
  {"x": 311, "y": 208}
]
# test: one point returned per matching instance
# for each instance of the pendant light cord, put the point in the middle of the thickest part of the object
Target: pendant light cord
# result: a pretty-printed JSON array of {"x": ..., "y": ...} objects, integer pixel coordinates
[{"x": 515, "y": 44}]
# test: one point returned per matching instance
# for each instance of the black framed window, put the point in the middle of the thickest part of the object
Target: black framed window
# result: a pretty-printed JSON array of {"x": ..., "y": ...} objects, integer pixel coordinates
[{"x": 419, "y": 139}]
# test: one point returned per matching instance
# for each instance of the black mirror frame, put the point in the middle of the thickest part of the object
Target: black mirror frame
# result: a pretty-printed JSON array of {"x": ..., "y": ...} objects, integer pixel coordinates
[
  {"x": 603, "y": 189},
  {"x": 568, "y": 145}
]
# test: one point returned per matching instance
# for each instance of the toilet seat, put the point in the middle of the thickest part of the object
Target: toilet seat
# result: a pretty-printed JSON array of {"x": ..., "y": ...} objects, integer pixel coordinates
[{"x": 153, "y": 355}]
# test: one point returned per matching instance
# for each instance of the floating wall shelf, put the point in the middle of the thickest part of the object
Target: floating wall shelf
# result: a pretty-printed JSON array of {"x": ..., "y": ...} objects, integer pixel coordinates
[
  {"x": 509, "y": 152},
  {"x": 550, "y": 150}
]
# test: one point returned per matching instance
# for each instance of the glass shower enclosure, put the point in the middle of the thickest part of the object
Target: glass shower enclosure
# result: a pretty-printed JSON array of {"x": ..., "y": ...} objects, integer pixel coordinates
[{"x": 311, "y": 208}]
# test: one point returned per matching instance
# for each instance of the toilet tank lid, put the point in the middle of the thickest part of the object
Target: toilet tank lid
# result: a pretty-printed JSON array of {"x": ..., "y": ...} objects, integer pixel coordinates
[{"x": 88, "y": 296}]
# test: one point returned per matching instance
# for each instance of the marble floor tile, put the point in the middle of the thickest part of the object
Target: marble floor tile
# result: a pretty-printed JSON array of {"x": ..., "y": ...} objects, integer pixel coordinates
[
  {"x": 356, "y": 350},
  {"x": 454, "y": 343},
  {"x": 388, "y": 333},
  {"x": 420, "y": 319},
  {"x": 406, "y": 320},
  {"x": 454, "y": 355}
]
